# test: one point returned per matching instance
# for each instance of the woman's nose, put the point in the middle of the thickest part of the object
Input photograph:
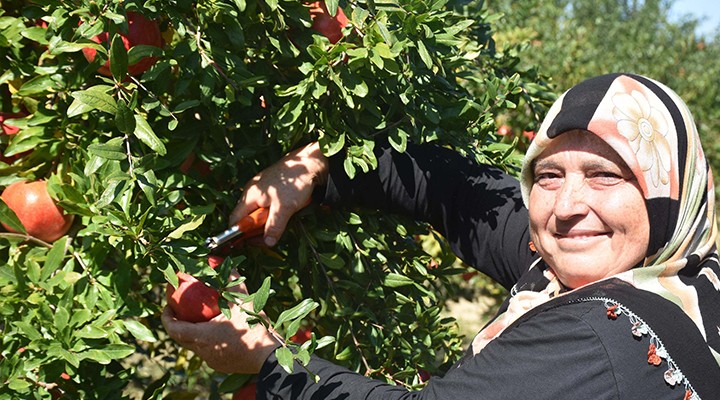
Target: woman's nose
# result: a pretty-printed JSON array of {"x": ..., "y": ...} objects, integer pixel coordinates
[{"x": 571, "y": 198}]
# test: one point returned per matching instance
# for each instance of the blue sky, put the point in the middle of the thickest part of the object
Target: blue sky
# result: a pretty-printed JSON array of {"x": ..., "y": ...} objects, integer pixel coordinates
[{"x": 710, "y": 9}]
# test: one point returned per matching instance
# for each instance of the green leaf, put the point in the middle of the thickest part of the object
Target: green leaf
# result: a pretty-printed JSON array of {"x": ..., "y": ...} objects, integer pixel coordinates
[
  {"x": 118, "y": 58},
  {"x": 171, "y": 275},
  {"x": 240, "y": 4},
  {"x": 140, "y": 51},
  {"x": 139, "y": 331},
  {"x": 396, "y": 280},
  {"x": 155, "y": 390},
  {"x": 349, "y": 168},
  {"x": 332, "y": 260},
  {"x": 145, "y": 133},
  {"x": 186, "y": 227},
  {"x": 91, "y": 332},
  {"x": 54, "y": 258},
  {"x": 300, "y": 311},
  {"x": 110, "y": 150},
  {"x": 27, "y": 139},
  {"x": 303, "y": 356},
  {"x": 28, "y": 330},
  {"x": 293, "y": 327},
  {"x": 56, "y": 350},
  {"x": 36, "y": 34},
  {"x": 324, "y": 341},
  {"x": 385, "y": 33},
  {"x": 96, "y": 98},
  {"x": 354, "y": 219},
  {"x": 273, "y": 4},
  {"x": 80, "y": 317},
  {"x": 186, "y": 105},
  {"x": 285, "y": 358},
  {"x": 9, "y": 217},
  {"x": 331, "y": 145},
  {"x": 19, "y": 384},
  {"x": 424, "y": 54},
  {"x": 42, "y": 84},
  {"x": 109, "y": 353},
  {"x": 345, "y": 354},
  {"x": 148, "y": 184},
  {"x": 61, "y": 318},
  {"x": 71, "y": 47},
  {"x": 398, "y": 138},
  {"x": 332, "y": 6},
  {"x": 290, "y": 112},
  {"x": 77, "y": 107},
  {"x": 260, "y": 297},
  {"x": 124, "y": 119}
]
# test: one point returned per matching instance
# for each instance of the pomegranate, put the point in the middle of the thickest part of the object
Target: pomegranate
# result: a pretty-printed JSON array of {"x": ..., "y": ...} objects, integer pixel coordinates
[
  {"x": 193, "y": 300},
  {"x": 9, "y": 129},
  {"x": 140, "y": 31},
  {"x": 301, "y": 336},
  {"x": 193, "y": 164},
  {"x": 37, "y": 211},
  {"x": 328, "y": 25}
]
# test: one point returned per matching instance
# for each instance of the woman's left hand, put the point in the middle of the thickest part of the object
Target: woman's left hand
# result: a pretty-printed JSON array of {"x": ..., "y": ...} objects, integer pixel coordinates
[{"x": 226, "y": 345}]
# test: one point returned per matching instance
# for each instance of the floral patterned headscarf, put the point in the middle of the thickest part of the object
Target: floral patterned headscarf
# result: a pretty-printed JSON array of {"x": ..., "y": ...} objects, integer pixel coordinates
[{"x": 653, "y": 131}]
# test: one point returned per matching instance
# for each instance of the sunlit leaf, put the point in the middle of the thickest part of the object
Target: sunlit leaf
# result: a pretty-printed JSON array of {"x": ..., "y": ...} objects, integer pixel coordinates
[{"x": 145, "y": 133}]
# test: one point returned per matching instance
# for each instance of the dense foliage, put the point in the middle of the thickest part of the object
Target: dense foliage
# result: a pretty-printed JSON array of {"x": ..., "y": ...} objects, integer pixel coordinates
[{"x": 150, "y": 165}]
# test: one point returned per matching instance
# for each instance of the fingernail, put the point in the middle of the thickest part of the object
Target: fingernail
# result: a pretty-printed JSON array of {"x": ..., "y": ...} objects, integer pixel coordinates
[{"x": 270, "y": 241}]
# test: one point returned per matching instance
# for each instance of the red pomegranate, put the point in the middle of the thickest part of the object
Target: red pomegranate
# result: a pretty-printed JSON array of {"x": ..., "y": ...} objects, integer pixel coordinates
[
  {"x": 37, "y": 211},
  {"x": 193, "y": 300},
  {"x": 330, "y": 26},
  {"x": 9, "y": 129},
  {"x": 140, "y": 31}
]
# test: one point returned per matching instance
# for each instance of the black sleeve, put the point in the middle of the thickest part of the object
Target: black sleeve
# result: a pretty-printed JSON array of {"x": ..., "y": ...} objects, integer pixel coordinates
[
  {"x": 478, "y": 208},
  {"x": 551, "y": 356}
]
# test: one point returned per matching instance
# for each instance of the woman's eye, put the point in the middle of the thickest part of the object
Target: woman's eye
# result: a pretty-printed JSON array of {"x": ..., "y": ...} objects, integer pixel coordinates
[
  {"x": 606, "y": 177},
  {"x": 547, "y": 178}
]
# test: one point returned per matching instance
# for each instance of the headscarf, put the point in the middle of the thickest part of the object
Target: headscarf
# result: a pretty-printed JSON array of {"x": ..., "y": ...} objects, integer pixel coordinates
[{"x": 654, "y": 133}]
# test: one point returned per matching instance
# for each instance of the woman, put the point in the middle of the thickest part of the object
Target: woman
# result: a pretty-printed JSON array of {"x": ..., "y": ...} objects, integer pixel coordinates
[{"x": 614, "y": 281}]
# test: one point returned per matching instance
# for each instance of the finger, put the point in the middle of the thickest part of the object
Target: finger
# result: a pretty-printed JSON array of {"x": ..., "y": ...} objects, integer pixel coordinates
[
  {"x": 181, "y": 331},
  {"x": 168, "y": 316},
  {"x": 170, "y": 322},
  {"x": 276, "y": 223},
  {"x": 242, "y": 209}
]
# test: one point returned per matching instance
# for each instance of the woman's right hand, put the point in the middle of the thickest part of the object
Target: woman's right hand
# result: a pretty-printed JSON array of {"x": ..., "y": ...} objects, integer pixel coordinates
[{"x": 284, "y": 188}]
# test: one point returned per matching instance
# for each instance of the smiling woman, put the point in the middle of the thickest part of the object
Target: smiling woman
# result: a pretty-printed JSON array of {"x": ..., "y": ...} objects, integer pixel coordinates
[{"x": 614, "y": 289}]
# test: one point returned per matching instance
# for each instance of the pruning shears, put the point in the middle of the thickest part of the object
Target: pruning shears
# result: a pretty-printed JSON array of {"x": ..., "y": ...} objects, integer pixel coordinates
[{"x": 248, "y": 226}]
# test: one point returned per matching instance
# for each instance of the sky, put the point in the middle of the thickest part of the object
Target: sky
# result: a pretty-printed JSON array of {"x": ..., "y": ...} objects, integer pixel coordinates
[{"x": 710, "y": 9}]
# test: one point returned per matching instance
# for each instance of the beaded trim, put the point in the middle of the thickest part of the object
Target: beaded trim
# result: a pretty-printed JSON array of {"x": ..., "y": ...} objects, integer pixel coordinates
[{"x": 656, "y": 351}]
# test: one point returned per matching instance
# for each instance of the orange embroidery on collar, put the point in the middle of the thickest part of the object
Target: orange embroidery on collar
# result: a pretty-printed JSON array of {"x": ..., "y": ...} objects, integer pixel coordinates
[
  {"x": 611, "y": 311},
  {"x": 653, "y": 358}
]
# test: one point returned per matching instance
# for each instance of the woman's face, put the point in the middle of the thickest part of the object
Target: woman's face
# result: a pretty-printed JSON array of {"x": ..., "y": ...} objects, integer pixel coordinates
[{"x": 588, "y": 218}]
